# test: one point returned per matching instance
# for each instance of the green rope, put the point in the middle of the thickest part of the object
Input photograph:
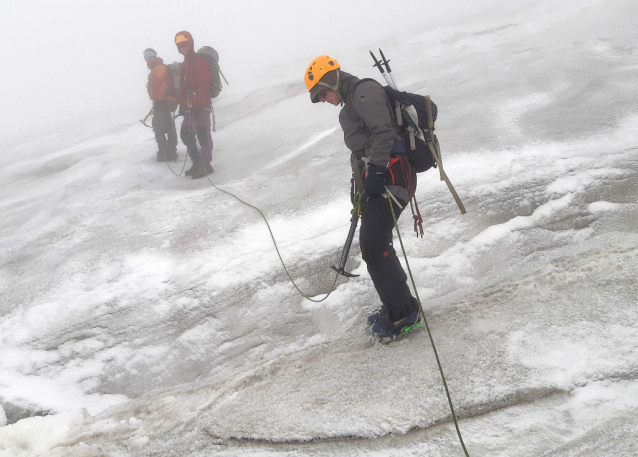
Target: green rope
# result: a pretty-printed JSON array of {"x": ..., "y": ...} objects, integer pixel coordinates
[
  {"x": 332, "y": 288},
  {"x": 183, "y": 167},
  {"x": 422, "y": 313}
]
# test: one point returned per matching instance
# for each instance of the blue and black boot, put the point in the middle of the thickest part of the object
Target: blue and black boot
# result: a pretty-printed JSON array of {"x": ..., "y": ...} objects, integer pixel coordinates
[
  {"x": 372, "y": 318},
  {"x": 384, "y": 327}
]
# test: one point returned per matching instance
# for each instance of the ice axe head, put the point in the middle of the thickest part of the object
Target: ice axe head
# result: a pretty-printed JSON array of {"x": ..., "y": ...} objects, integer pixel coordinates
[{"x": 343, "y": 272}]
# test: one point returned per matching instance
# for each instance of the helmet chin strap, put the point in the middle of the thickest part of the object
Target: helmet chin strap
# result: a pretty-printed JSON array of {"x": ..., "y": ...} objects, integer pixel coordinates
[{"x": 334, "y": 88}]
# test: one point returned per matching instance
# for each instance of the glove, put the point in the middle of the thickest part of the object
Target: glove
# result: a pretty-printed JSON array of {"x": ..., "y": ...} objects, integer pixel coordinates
[{"x": 374, "y": 184}]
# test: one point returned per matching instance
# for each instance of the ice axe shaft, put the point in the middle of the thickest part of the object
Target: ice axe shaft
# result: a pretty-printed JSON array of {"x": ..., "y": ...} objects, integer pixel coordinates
[
  {"x": 346, "y": 247},
  {"x": 144, "y": 121}
]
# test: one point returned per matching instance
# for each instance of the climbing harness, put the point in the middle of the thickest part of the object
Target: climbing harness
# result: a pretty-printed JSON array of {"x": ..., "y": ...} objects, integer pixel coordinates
[{"x": 425, "y": 321}]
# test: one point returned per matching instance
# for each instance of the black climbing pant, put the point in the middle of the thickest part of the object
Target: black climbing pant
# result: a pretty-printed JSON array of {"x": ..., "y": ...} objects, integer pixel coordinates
[
  {"x": 165, "y": 133},
  {"x": 375, "y": 240}
]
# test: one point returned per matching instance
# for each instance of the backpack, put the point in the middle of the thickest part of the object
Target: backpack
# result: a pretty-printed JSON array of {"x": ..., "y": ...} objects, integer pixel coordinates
[
  {"x": 411, "y": 113},
  {"x": 415, "y": 115},
  {"x": 172, "y": 77},
  {"x": 212, "y": 58}
]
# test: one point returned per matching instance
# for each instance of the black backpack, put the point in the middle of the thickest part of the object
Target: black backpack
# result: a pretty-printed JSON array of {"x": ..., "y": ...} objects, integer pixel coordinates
[
  {"x": 411, "y": 113},
  {"x": 415, "y": 115},
  {"x": 212, "y": 59}
]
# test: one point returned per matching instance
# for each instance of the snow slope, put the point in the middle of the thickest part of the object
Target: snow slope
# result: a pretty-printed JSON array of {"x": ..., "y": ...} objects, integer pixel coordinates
[{"x": 145, "y": 314}]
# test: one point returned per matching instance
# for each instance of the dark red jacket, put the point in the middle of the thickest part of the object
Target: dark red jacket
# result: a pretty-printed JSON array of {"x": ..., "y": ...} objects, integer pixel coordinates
[{"x": 194, "y": 78}]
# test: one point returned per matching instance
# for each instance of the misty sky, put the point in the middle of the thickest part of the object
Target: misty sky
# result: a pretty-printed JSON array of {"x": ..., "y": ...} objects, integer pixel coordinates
[{"x": 73, "y": 61}]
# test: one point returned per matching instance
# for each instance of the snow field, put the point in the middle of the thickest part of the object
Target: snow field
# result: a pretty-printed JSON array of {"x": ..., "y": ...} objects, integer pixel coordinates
[{"x": 149, "y": 315}]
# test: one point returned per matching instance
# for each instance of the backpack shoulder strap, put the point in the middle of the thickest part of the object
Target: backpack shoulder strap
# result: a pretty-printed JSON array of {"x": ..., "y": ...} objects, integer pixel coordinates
[
  {"x": 398, "y": 105},
  {"x": 390, "y": 92},
  {"x": 364, "y": 80}
]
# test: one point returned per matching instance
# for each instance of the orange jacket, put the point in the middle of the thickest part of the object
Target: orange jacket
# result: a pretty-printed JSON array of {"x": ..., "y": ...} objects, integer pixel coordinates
[{"x": 158, "y": 82}]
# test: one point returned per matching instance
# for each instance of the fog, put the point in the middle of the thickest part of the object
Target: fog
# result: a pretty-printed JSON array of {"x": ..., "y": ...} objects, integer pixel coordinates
[
  {"x": 144, "y": 314},
  {"x": 76, "y": 61}
]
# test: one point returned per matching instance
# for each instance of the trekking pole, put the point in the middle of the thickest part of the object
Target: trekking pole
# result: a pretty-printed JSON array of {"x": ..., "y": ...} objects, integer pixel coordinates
[
  {"x": 382, "y": 71},
  {"x": 220, "y": 72},
  {"x": 386, "y": 63},
  {"x": 144, "y": 121},
  {"x": 354, "y": 220}
]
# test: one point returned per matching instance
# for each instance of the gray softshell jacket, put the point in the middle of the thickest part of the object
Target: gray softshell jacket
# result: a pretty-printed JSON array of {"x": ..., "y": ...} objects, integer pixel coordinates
[{"x": 368, "y": 128}]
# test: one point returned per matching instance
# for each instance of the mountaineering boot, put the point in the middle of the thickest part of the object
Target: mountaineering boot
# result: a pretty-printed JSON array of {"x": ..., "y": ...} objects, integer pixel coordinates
[
  {"x": 208, "y": 167},
  {"x": 161, "y": 157},
  {"x": 172, "y": 157},
  {"x": 198, "y": 171},
  {"x": 384, "y": 327},
  {"x": 190, "y": 170},
  {"x": 372, "y": 318}
]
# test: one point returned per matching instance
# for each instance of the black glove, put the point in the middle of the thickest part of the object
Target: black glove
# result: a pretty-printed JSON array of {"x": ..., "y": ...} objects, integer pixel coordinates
[{"x": 374, "y": 184}]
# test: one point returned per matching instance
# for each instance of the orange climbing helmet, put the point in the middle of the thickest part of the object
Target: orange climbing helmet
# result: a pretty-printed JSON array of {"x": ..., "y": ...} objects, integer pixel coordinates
[{"x": 315, "y": 71}]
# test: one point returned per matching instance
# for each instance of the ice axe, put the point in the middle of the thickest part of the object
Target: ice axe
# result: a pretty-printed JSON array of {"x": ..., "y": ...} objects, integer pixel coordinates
[
  {"x": 354, "y": 221},
  {"x": 144, "y": 121},
  {"x": 341, "y": 269}
]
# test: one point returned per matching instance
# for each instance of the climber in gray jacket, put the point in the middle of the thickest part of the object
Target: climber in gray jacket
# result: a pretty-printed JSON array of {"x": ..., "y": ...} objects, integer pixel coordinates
[{"x": 378, "y": 164}]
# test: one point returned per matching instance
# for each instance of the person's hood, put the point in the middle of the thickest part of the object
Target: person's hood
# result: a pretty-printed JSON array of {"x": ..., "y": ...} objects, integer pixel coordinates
[
  {"x": 185, "y": 38},
  {"x": 347, "y": 83},
  {"x": 154, "y": 62}
]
